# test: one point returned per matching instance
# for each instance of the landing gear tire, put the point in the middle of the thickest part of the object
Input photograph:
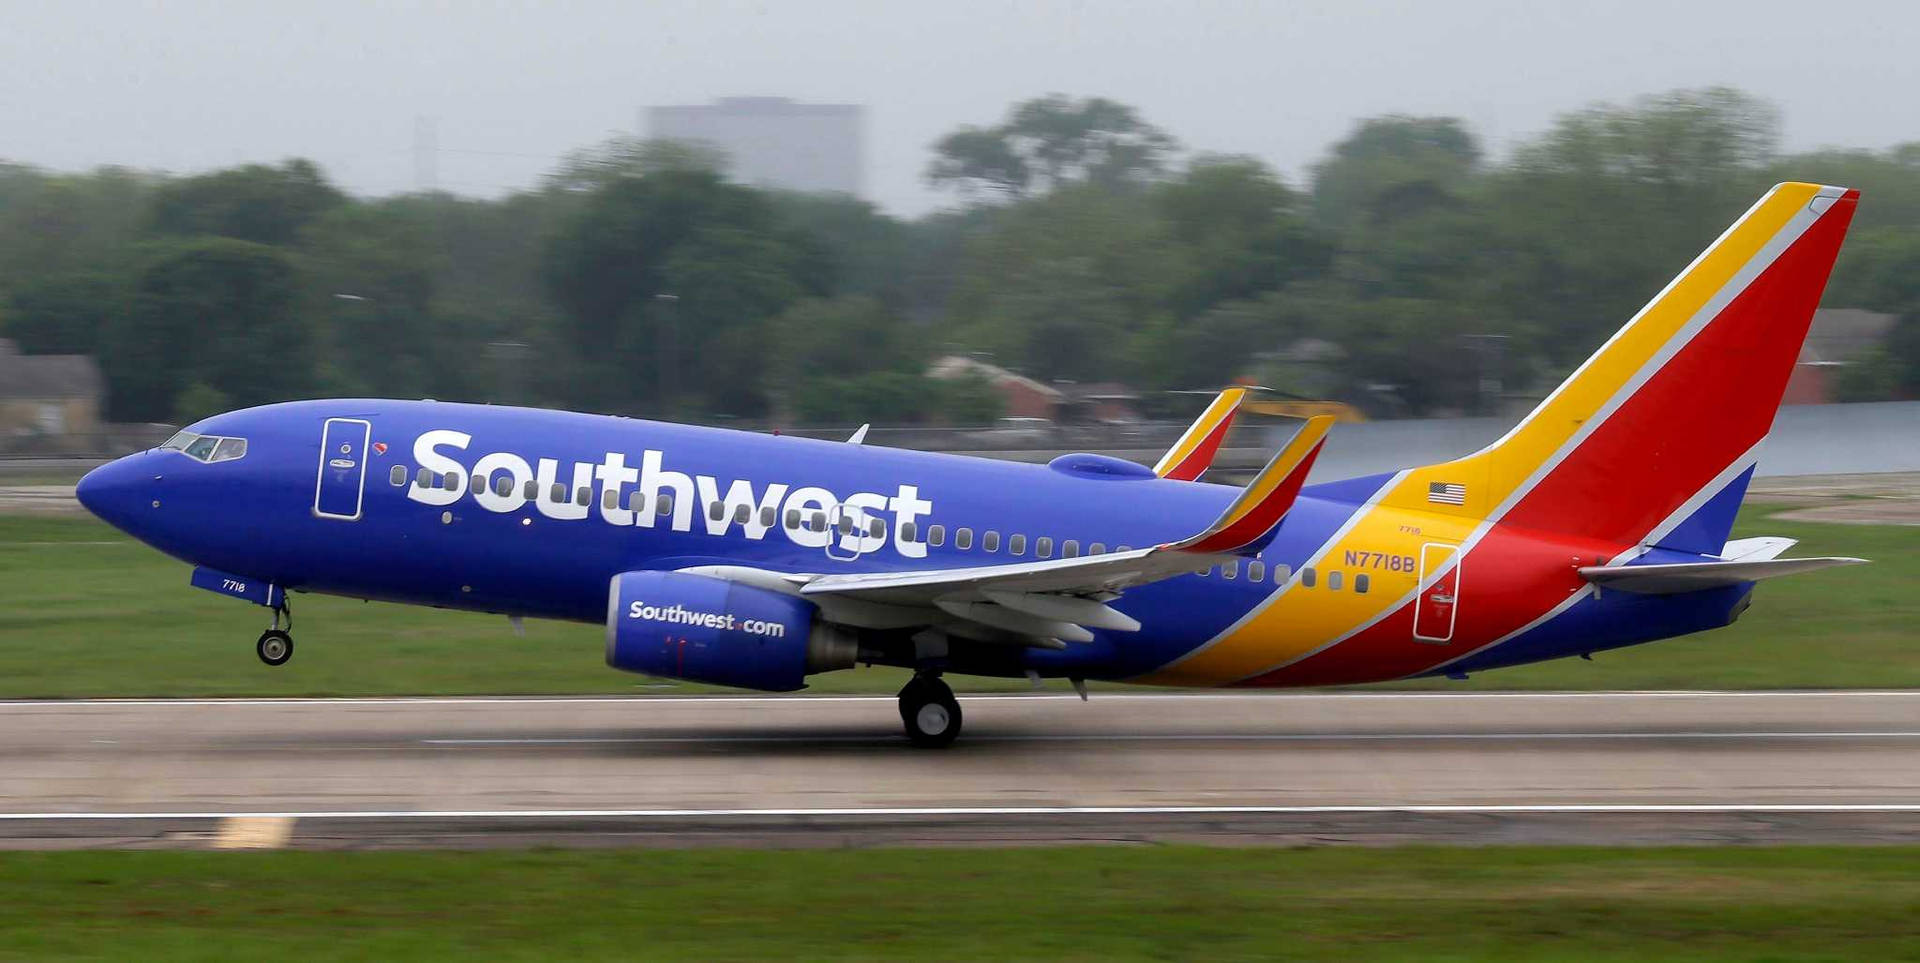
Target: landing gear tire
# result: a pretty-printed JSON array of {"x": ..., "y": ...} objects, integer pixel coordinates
[
  {"x": 275, "y": 647},
  {"x": 930, "y": 713}
]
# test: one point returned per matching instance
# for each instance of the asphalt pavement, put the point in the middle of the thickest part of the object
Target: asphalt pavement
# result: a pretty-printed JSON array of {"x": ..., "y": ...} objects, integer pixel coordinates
[{"x": 1606, "y": 768}]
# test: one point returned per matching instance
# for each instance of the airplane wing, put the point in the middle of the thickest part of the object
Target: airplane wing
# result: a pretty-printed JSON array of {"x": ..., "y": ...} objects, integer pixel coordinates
[
  {"x": 1057, "y": 600},
  {"x": 1189, "y": 457}
]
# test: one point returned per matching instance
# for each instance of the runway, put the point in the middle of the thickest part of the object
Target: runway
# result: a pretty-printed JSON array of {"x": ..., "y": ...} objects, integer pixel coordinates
[{"x": 1359, "y": 767}]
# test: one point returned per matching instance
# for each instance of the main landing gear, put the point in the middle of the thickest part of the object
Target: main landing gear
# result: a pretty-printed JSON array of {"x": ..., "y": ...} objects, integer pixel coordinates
[
  {"x": 276, "y": 644},
  {"x": 930, "y": 712}
]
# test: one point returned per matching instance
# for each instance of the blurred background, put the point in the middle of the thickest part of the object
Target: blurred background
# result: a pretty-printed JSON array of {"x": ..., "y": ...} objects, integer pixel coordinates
[{"x": 1013, "y": 227}]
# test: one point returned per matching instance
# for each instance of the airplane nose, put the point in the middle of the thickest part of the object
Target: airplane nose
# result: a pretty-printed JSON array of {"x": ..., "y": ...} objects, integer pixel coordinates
[{"x": 116, "y": 491}]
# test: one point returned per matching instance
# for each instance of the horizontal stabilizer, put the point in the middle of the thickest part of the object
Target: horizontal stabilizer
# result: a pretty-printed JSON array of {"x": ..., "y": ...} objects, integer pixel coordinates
[{"x": 1699, "y": 576}]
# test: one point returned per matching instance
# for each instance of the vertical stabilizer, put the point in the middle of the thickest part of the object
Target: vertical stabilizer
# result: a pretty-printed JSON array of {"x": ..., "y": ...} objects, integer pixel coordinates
[{"x": 1653, "y": 438}]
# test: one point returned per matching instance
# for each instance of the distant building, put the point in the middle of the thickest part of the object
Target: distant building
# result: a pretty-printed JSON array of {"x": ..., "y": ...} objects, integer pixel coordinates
[
  {"x": 48, "y": 402},
  {"x": 1020, "y": 396},
  {"x": 1838, "y": 337},
  {"x": 775, "y": 142},
  {"x": 1101, "y": 402}
]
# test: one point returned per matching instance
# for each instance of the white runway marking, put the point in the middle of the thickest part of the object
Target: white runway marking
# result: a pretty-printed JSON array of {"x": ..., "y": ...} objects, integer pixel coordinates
[
  {"x": 1522, "y": 808},
  {"x": 792, "y": 700},
  {"x": 1190, "y": 737}
]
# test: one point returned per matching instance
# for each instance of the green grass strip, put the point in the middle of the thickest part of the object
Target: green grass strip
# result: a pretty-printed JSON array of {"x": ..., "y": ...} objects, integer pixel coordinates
[{"x": 1162, "y": 903}]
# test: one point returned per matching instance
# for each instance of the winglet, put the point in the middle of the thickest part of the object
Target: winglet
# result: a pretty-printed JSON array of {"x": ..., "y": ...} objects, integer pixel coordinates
[
  {"x": 1265, "y": 501},
  {"x": 1189, "y": 457}
]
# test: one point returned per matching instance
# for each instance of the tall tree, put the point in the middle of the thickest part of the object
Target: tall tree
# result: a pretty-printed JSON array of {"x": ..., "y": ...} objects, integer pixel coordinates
[
  {"x": 367, "y": 288},
  {"x": 1050, "y": 141},
  {"x": 210, "y": 312},
  {"x": 64, "y": 313},
  {"x": 653, "y": 271},
  {"x": 1391, "y": 168},
  {"x": 266, "y": 205},
  {"x": 1239, "y": 229}
]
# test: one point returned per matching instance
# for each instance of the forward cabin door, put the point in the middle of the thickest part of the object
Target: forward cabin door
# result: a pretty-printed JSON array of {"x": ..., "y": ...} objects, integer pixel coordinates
[
  {"x": 1438, "y": 603},
  {"x": 340, "y": 488}
]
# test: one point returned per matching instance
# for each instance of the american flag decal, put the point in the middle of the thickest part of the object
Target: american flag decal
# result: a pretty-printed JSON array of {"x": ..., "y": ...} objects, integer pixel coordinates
[{"x": 1446, "y": 493}]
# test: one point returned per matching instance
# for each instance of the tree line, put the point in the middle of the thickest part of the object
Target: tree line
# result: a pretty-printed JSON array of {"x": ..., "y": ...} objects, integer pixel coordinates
[{"x": 1085, "y": 244}]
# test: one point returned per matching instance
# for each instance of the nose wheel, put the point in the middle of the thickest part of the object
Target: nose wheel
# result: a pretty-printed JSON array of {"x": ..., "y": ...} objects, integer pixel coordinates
[
  {"x": 276, "y": 644},
  {"x": 275, "y": 647},
  {"x": 930, "y": 712}
]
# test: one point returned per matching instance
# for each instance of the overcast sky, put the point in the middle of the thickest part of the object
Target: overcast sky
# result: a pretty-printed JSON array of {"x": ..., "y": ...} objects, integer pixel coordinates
[{"x": 188, "y": 85}]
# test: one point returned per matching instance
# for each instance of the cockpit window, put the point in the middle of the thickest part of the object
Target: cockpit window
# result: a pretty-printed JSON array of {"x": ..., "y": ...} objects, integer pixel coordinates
[{"x": 207, "y": 448}]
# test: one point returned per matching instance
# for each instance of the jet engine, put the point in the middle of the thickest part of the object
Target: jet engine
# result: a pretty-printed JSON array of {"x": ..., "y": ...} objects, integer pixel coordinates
[{"x": 712, "y": 630}]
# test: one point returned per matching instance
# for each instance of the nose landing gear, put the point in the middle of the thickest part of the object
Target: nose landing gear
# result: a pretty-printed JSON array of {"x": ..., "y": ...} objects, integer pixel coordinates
[
  {"x": 275, "y": 646},
  {"x": 930, "y": 712}
]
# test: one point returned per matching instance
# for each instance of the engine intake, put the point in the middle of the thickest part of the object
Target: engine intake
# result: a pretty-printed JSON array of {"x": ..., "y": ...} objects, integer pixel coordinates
[{"x": 712, "y": 630}]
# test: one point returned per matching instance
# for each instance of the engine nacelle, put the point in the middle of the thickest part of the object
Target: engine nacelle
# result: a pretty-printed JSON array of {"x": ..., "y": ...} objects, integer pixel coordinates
[{"x": 712, "y": 630}]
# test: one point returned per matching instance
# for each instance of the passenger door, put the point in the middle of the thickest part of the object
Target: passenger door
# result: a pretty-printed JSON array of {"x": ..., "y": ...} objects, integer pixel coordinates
[
  {"x": 1438, "y": 603},
  {"x": 339, "y": 490}
]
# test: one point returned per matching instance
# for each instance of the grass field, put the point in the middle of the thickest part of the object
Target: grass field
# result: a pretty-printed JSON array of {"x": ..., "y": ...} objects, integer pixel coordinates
[
  {"x": 85, "y": 611},
  {"x": 1168, "y": 903}
]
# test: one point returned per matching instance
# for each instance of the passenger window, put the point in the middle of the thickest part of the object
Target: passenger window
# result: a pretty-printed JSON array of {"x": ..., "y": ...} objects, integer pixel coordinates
[
  {"x": 876, "y": 528},
  {"x": 766, "y": 516},
  {"x": 1282, "y": 572},
  {"x": 558, "y": 494},
  {"x": 963, "y": 538},
  {"x": 399, "y": 475},
  {"x": 741, "y": 513},
  {"x": 1096, "y": 549},
  {"x": 908, "y": 531},
  {"x": 1043, "y": 547},
  {"x": 452, "y": 481},
  {"x": 1333, "y": 581},
  {"x": 663, "y": 505},
  {"x": 936, "y": 535},
  {"x": 846, "y": 524},
  {"x": 583, "y": 497},
  {"x": 818, "y": 522},
  {"x": 1069, "y": 549},
  {"x": 503, "y": 484},
  {"x": 533, "y": 490},
  {"x": 1016, "y": 544},
  {"x": 1306, "y": 577},
  {"x": 1124, "y": 548},
  {"x": 1256, "y": 571},
  {"x": 424, "y": 478},
  {"x": 716, "y": 511},
  {"x": 793, "y": 519},
  {"x": 1361, "y": 583},
  {"x": 990, "y": 542},
  {"x": 609, "y": 499},
  {"x": 1230, "y": 571},
  {"x": 637, "y": 503}
]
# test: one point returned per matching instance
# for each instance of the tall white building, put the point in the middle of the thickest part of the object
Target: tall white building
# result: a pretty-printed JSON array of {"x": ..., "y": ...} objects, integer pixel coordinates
[{"x": 774, "y": 141}]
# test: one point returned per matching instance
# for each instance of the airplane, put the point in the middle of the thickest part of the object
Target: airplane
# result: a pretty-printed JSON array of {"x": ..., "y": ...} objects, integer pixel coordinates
[{"x": 755, "y": 560}]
